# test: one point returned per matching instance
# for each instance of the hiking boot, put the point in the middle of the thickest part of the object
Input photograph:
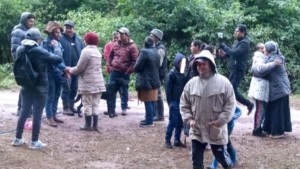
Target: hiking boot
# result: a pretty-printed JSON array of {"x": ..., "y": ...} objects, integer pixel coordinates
[
  {"x": 18, "y": 142},
  {"x": 57, "y": 120},
  {"x": 168, "y": 145},
  {"x": 250, "y": 108},
  {"x": 68, "y": 112},
  {"x": 124, "y": 113},
  {"x": 178, "y": 143},
  {"x": 51, "y": 122},
  {"x": 95, "y": 122},
  {"x": 87, "y": 125},
  {"x": 37, "y": 145},
  {"x": 158, "y": 118},
  {"x": 146, "y": 124}
]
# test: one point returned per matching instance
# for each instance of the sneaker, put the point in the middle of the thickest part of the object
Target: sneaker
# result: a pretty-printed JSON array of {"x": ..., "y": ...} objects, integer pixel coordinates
[
  {"x": 37, "y": 145},
  {"x": 17, "y": 142},
  {"x": 179, "y": 144},
  {"x": 168, "y": 145},
  {"x": 124, "y": 113},
  {"x": 259, "y": 133},
  {"x": 57, "y": 120},
  {"x": 277, "y": 136},
  {"x": 146, "y": 124}
]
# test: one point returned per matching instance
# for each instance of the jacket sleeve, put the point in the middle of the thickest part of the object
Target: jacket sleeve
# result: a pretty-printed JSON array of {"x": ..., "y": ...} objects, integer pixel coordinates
[
  {"x": 229, "y": 106},
  {"x": 53, "y": 58},
  {"x": 82, "y": 63},
  {"x": 262, "y": 70},
  {"x": 134, "y": 53},
  {"x": 16, "y": 38},
  {"x": 235, "y": 52},
  {"x": 169, "y": 83},
  {"x": 140, "y": 63},
  {"x": 186, "y": 105},
  {"x": 107, "y": 49}
]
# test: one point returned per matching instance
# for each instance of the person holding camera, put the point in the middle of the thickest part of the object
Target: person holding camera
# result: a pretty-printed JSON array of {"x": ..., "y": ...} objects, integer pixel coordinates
[{"x": 238, "y": 58}]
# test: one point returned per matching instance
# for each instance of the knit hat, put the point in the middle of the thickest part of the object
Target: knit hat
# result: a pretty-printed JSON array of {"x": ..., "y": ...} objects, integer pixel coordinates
[
  {"x": 33, "y": 34},
  {"x": 124, "y": 30},
  {"x": 157, "y": 33},
  {"x": 91, "y": 38},
  {"x": 51, "y": 26}
]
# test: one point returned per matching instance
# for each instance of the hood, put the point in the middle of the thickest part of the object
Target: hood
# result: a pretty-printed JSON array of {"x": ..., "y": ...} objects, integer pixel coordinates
[
  {"x": 207, "y": 55},
  {"x": 178, "y": 58},
  {"x": 29, "y": 42},
  {"x": 24, "y": 17}
]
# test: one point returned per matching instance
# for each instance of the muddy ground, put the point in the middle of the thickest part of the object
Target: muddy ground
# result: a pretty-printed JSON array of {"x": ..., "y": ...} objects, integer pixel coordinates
[{"x": 122, "y": 144}]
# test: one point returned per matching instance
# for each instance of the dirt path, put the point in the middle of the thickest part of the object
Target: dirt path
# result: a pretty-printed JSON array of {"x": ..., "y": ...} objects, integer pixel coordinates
[{"x": 122, "y": 144}]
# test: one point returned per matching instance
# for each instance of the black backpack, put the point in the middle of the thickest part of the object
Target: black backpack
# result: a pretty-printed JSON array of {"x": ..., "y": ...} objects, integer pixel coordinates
[{"x": 24, "y": 73}]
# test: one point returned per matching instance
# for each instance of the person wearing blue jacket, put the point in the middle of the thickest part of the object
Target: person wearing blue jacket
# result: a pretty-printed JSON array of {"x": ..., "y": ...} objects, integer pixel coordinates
[
  {"x": 55, "y": 73},
  {"x": 174, "y": 86}
]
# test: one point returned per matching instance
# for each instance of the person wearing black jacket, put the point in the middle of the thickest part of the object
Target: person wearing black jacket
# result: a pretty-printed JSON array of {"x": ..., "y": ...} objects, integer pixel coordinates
[
  {"x": 238, "y": 58},
  {"x": 36, "y": 96}
]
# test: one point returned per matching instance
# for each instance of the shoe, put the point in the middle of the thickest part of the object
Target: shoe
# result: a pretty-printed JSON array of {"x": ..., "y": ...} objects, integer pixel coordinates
[
  {"x": 18, "y": 142},
  {"x": 68, "y": 112},
  {"x": 179, "y": 144},
  {"x": 57, "y": 120},
  {"x": 124, "y": 113},
  {"x": 259, "y": 133},
  {"x": 51, "y": 122},
  {"x": 142, "y": 121},
  {"x": 146, "y": 124},
  {"x": 37, "y": 145},
  {"x": 250, "y": 108},
  {"x": 105, "y": 113},
  {"x": 158, "y": 118},
  {"x": 277, "y": 136},
  {"x": 168, "y": 145}
]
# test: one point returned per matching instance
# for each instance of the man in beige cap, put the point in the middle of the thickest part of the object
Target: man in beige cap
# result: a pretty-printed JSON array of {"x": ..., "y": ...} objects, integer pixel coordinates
[{"x": 121, "y": 60}]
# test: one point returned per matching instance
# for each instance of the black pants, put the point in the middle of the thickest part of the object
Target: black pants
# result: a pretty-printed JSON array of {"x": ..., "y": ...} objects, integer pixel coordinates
[
  {"x": 219, "y": 152},
  {"x": 236, "y": 77},
  {"x": 37, "y": 100}
]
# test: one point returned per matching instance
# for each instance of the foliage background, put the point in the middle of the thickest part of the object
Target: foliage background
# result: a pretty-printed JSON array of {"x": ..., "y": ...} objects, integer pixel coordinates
[{"x": 181, "y": 20}]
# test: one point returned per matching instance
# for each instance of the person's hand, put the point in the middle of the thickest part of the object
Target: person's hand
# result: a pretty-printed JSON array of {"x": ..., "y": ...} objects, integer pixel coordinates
[
  {"x": 67, "y": 70},
  {"x": 54, "y": 43},
  {"x": 278, "y": 61},
  {"x": 192, "y": 123},
  {"x": 221, "y": 52},
  {"x": 216, "y": 123}
]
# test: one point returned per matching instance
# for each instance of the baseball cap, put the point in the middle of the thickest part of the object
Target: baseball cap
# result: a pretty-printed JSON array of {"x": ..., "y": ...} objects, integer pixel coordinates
[
  {"x": 124, "y": 30},
  {"x": 69, "y": 23}
]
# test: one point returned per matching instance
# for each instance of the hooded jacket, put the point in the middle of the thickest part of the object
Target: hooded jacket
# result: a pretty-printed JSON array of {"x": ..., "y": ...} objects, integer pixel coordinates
[
  {"x": 206, "y": 99},
  {"x": 175, "y": 81},
  {"x": 18, "y": 33},
  {"x": 146, "y": 68},
  {"x": 39, "y": 58}
]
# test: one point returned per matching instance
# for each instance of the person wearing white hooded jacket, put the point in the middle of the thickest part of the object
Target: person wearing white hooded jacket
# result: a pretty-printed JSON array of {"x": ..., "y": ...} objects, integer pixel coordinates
[{"x": 207, "y": 104}]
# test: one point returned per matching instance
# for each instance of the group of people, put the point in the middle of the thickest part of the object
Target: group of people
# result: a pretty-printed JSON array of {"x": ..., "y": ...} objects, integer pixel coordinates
[{"x": 197, "y": 95}]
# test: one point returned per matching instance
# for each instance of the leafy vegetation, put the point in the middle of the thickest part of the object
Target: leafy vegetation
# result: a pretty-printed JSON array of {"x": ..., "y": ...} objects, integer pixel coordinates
[{"x": 181, "y": 20}]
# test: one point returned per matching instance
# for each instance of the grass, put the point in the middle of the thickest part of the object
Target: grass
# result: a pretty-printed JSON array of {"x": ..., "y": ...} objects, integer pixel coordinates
[{"x": 7, "y": 80}]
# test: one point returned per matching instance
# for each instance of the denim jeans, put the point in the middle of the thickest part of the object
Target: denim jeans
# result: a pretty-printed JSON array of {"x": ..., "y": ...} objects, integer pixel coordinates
[
  {"x": 175, "y": 122},
  {"x": 121, "y": 80},
  {"x": 53, "y": 96},
  {"x": 219, "y": 152},
  {"x": 236, "y": 77},
  {"x": 31, "y": 97},
  {"x": 149, "y": 108},
  {"x": 69, "y": 89}
]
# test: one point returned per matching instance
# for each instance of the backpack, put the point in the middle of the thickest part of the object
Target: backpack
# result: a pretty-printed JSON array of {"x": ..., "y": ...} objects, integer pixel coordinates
[{"x": 24, "y": 73}]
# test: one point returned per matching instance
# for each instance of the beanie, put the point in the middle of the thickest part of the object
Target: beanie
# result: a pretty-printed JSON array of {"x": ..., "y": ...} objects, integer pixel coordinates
[
  {"x": 33, "y": 34},
  {"x": 157, "y": 33},
  {"x": 91, "y": 38}
]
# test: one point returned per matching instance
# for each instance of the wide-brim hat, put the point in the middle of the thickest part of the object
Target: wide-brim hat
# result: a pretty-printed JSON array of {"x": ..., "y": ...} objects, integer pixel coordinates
[{"x": 51, "y": 26}]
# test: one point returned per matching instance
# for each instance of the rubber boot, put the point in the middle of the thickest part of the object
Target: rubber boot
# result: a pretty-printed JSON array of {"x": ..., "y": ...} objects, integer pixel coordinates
[
  {"x": 232, "y": 155},
  {"x": 214, "y": 164},
  {"x": 88, "y": 123},
  {"x": 95, "y": 122}
]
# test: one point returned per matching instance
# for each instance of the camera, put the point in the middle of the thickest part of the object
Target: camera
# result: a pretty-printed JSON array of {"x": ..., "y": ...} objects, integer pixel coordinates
[{"x": 220, "y": 35}]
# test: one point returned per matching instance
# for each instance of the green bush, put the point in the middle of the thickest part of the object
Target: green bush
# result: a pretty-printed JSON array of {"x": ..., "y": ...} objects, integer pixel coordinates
[{"x": 7, "y": 79}]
